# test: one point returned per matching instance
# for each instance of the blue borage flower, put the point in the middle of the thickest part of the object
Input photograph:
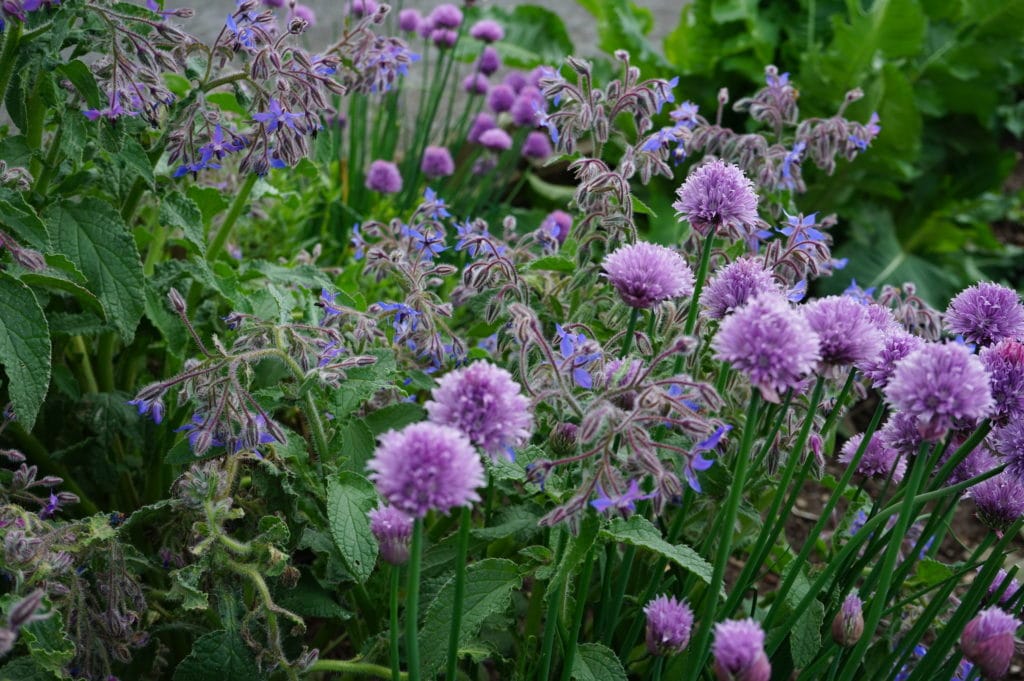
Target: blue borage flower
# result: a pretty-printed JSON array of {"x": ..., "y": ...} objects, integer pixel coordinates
[
  {"x": 871, "y": 130},
  {"x": 113, "y": 111},
  {"x": 153, "y": 406},
  {"x": 428, "y": 241},
  {"x": 358, "y": 242},
  {"x": 695, "y": 462},
  {"x": 244, "y": 36},
  {"x": 623, "y": 502},
  {"x": 199, "y": 430},
  {"x": 404, "y": 323},
  {"x": 276, "y": 116},
  {"x": 663, "y": 93},
  {"x": 573, "y": 348}
]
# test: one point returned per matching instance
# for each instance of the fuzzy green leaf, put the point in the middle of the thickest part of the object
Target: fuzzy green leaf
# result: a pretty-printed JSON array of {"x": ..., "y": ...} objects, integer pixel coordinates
[
  {"x": 47, "y": 643},
  {"x": 595, "y": 662},
  {"x": 218, "y": 656},
  {"x": 639, "y": 531},
  {"x": 349, "y": 498},
  {"x": 805, "y": 639},
  {"x": 24, "y": 348},
  {"x": 178, "y": 211}
]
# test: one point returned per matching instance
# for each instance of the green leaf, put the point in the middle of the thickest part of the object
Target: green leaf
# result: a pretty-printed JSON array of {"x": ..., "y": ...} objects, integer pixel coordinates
[
  {"x": 64, "y": 277},
  {"x": 533, "y": 36},
  {"x": 137, "y": 161},
  {"x": 309, "y": 599},
  {"x": 555, "y": 193},
  {"x": 185, "y": 587},
  {"x": 21, "y": 218},
  {"x": 25, "y": 669},
  {"x": 209, "y": 200},
  {"x": 47, "y": 643},
  {"x": 81, "y": 77},
  {"x": 24, "y": 348},
  {"x": 93, "y": 235},
  {"x": 180, "y": 212},
  {"x": 519, "y": 521},
  {"x": 638, "y": 531},
  {"x": 227, "y": 102},
  {"x": 575, "y": 551},
  {"x": 489, "y": 587},
  {"x": 595, "y": 662},
  {"x": 218, "y": 656},
  {"x": 553, "y": 263},
  {"x": 349, "y": 498},
  {"x": 357, "y": 445},
  {"x": 932, "y": 572},
  {"x": 394, "y": 416},
  {"x": 805, "y": 637}
]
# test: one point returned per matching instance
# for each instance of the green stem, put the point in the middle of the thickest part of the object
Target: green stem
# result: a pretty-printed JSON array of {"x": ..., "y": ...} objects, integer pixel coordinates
[
  {"x": 50, "y": 164},
  {"x": 698, "y": 284},
  {"x": 9, "y": 56},
  {"x": 634, "y": 316},
  {"x": 412, "y": 643},
  {"x": 396, "y": 673},
  {"x": 615, "y": 605},
  {"x": 710, "y": 602},
  {"x": 551, "y": 620},
  {"x": 465, "y": 520},
  {"x": 582, "y": 588},
  {"x": 355, "y": 668},
  {"x": 316, "y": 425},
  {"x": 659, "y": 666},
  {"x": 105, "y": 361},
  {"x": 221, "y": 237},
  {"x": 88, "y": 377}
]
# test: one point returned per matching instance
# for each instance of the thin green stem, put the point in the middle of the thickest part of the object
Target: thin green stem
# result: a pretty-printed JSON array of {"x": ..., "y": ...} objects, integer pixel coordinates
[
  {"x": 634, "y": 316},
  {"x": 105, "y": 361},
  {"x": 551, "y": 620},
  {"x": 619, "y": 593},
  {"x": 88, "y": 377},
  {"x": 221, "y": 237},
  {"x": 462, "y": 548},
  {"x": 582, "y": 587},
  {"x": 396, "y": 672},
  {"x": 698, "y": 284},
  {"x": 412, "y": 608},
  {"x": 355, "y": 668}
]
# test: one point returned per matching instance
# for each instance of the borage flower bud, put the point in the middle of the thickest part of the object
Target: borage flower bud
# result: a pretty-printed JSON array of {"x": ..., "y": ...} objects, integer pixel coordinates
[
  {"x": 987, "y": 641},
  {"x": 563, "y": 439},
  {"x": 393, "y": 531},
  {"x": 848, "y": 625},
  {"x": 739, "y": 651},
  {"x": 669, "y": 623}
]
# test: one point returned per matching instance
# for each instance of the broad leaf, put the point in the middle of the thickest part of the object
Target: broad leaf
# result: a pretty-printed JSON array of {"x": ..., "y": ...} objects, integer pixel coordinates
[
  {"x": 805, "y": 637},
  {"x": 24, "y": 348},
  {"x": 639, "y": 531},
  {"x": 180, "y": 212},
  {"x": 219, "y": 656},
  {"x": 595, "y": 662},
  {"x": 349, "y": 498}
]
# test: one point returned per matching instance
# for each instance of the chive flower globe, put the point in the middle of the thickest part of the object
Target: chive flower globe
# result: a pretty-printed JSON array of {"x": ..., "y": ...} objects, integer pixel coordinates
[
  {"x": 393, "y": 532},
  {"x": 426, "y": 467},
  {"x": 496, "y": 139},
  {"x": 409, "y": 20},
  {"x": 999, "y": 500},
  {"x": 536, "y": 146},
  {"x": 733, "y": 285},
  {"x": 896, "y": 344},
  {"x": 669, "y": 623},
  {"x": 1004, "y": 363},
  {"x": 646, "y": 274},
  {"x": 770, "y": 342},
  {"x": 845, "y": 330},
  {"x": 985, "y": 314},
  {"x": 940, "y": 386},
  {"x": 718, "y": 197},
  {"x": 383, "y": 177},
  {"x": 437, "y": 162},
  {"x": 739, "y": 651},
  {"x": 988, "y": 641},
  {"x": 485, "y": 403},
  {"x": 487, "y": 31},
  {"x": 878, "y": 459},
  {"x": 1008, "y": 440}
]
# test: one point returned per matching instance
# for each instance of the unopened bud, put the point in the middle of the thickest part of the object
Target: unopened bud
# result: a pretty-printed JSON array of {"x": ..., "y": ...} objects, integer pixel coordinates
[
  {"x": 563, "y": 439},
  {"x": 848, "y": 625},
  {"x": 987, "y": 641},
  {"x": 177, "y": 302}
]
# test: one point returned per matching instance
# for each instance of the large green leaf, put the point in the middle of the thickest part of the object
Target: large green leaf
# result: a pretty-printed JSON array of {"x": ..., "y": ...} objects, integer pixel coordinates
[
  {"x": 489, "y": 586},
  {"x": 24, "y": 348},
  {"x": 805, "y": 639},
  {"x": 639, "y": 531},
  {"x": 349, "y": 498},
  {"x": 219, "y": 656},
  {"x": 178, "y": 211},
  {"x": 534, "y": 36},
  {"x": 93, "y": 235},
  {"x": 24, "y": 669},
  {"x": 595, "y": 662},
  {"x": 21, "y": 218},
  {"x": 47, "y": 643}
]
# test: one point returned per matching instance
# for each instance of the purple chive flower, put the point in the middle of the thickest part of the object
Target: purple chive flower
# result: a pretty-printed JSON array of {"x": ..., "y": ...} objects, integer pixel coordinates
[
  {"x": 878, "y": 459},
  {"x": 1009, "y": 592},
  {"x": 645, "y": 274},
  {"x": 274, "y": 117},
  {"x": 484, "y": 402},
  {"x": 487, "y": 31},
  {"x": 557, "y": 225},
  {"x": 305, "y": 13},
  {"x": 848, "y": 625},
  {"x": 1004, "y": 362},
  {"x": 516, "y": 80},
  {"x": 425, "y": 467},
  {"x": 718, "y": 197},
  {"x": 362, "y": 8},
  {"x": 437, "y": 162},
  {"x": 475, "y": 84},
  {"x": 988, "y": 641},
  {"x": 1008, "y": 440},
  {"x": 536, "y": 146},
  {"x": 444, "y": 37},
  {"x": 626, "y": 502},
  {"x": 739, "y": 651},
  {"x": 669, "y": 623},
  {"x": 409, "y": 20},
  {"x": 393, "y": 531},
  {"x": 524, "y": 109},
  {"x": 735, "y": 284},
  {"x": 999, "y": 500},
  {"x": 940, "y": 385},
  {"x": 985, "y": 313},
  {"x": 896, "y": 344},
  {"x": 846, "y": 332},
  {"x": 489, "y": 62},
  {"x": 901, "y": 434},
  {"x": 383, "y": 177},
  {"x": 770, "y": 342},
  {"x": 496, "y": 139},
  {"x": 446, "y": 16},
  {"x": 500, "y": 98},
  {"x": 481, "y": 124}
]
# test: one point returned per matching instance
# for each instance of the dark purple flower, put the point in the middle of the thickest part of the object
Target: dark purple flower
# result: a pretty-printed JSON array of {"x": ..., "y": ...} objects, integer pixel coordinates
[
  {"x": 409, "y": 20},
  {"x": 878, "y": 459},
  {"x": 393, "y": 531},
  {"x": 362, "y": 8},
  {"x": 669, "y": 623},
  {"x": 625, "y": 502},
  {"x": 489, "y": 61},
  {"x": 496, "y": 139},
  {"x": 487, "y": 30},
  {"x": 848, "y": 625},
  {"x": 384, "y": 177},
  {"x": 985, "y": 314},
  {"x": 275, "y": 116},
  {"x": 718, "y": 197},
  {"x": 901, "y": 434},
  {"x": 770, "y": 342},
  {"x": 1004, "y": 362},
  {"x": 739, "y": 651},
  {"x": 988, "y": 641},
  {"x": 516, "y": 80},
  {"x": 645, "y": 274},
  {"x": 484, "y": 402},
  {"x": 736, "y": 283},
  {"x": 475, "y": 84},
  {"x": 425, "y": 467},
  {"x": 500, "y": 98},
  {"x": 846, "y": 331},
  {"x": 999, "y": 500},
  {"x": 896, "y": 344},
  {"x": 446, "y": 16},
  {"x": 481, "y": 124},
  {"x": 940, "y": 385},
  {"x": 536, "y": 146},
  {"x": 437, "y": 162}
]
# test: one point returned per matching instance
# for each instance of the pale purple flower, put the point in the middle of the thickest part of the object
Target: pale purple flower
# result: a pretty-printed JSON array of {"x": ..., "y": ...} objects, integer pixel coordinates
[
  {"x": 393, "y": 531},
  {"x": 500, "y": 98},
  {"x": 901, "y": 434},
  {"x": 999, "y": 500},
  {"x": 490, "y": 61},
  {"x": 484, "y": 402},
  {"x": 718, "y": 197},
  {"x": 979, "y": 460},
  {"x": 384, "y": 177},
  {"x": 896, "y": 344},
  {"x": 733, "y": 285},
  {"x": 444, "y": 37},
  {"x": 988, "y": 641},
  {"x": 770, "y": 342},
  {"x": 496, "y": 139},
  {"x": 481, "y": 124},
  {"x": 848, "y": 625},
  {"x": 475, "y": 84},
  {"x": 645, "y": 274},
  {"x": 362, "y": 8},
  {"x": 940, "y": 385},
  {"x": 113, "y": 111},
  {"x": 986, "y": 313},
  {"x": 1004, "y": 362},
  {"x": 1009, "y": 592},
  {"x": 487, "y": 30},
  {"x": 536, "y": 146},
  {"x": 409, "y": 20},
  {"x": 516, "y": 80},
  {"x": 739, "y": 651},
  {"x": 524, "y": 109},
  {"x": 878, "y": 459},
  {"x": 446, "y": 16},
  {"x": 1008, "y": 440},
  {"x": 625, "y": 502},
  {"x": 846, "y": 331},
  {"x": 437, "y": 162},
  {"x": 426, "y": 467},
  {"x": 305, "y": 13},
  {"x": 669, "y": 623}
]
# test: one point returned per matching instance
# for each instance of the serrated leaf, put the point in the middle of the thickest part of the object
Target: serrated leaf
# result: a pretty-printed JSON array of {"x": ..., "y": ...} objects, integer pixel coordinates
[
  {"x": 520, "y": 521},
  {"x": 575, "y": 551},
  {"x": 357, "y": 445},
  {"x": 137, "y": 161},
  {"x": 25, "y": 669},
  {"x": 349, "y": 498},
  {"x": 93, "y": 235},
  {"x": 55, "y": 280},
  {"x": 21, "y": 218},
  {"x": 185, "y": 587},
  {"x": 595, "y": 662},
  {"x": 932, "y": 572},
  {"x": 24, "y": 348},
  {"x": 210, "y": 201},
  {"x": 639, "y": 531},
  {"x": 218, "y": 656},
  {"x": 47, "y": 643},
  {"x": 805, "y": 637},
  {"x": 489, "y": 586},
  {"x": 81, "y": 77},
  {"x": 309, "y": 599},
  {"x": 180, "y": 212}
]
